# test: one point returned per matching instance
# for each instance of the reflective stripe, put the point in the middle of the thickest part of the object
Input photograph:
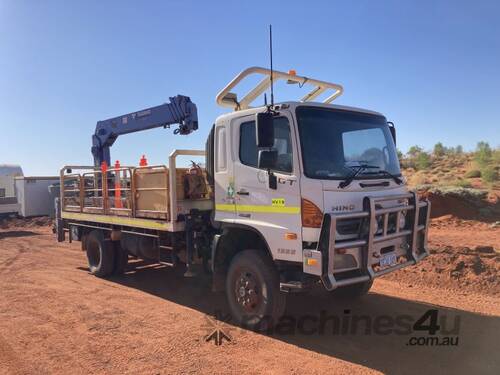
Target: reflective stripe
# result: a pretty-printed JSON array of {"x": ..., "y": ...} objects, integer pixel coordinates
[
  {"x": 117, "y": 220},
  {"x": 225, "y": 207},
  {"x": 263, "y": 209}
]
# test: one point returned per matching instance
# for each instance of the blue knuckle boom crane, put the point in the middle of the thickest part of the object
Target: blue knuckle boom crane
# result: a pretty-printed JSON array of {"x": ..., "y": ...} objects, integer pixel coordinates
[{"x": 180, "y": 111}]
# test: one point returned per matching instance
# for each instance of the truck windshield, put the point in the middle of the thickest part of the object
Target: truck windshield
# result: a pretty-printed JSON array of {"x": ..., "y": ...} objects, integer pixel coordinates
[{"x": 334, "y": 142}]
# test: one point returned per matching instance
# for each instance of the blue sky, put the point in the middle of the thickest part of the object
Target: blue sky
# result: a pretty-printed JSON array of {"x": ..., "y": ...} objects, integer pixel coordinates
[{"x": 432, "y": 67}]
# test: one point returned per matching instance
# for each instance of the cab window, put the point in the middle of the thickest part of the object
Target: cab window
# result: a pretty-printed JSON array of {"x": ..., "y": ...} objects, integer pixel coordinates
[{"x": 282, "y": 143}]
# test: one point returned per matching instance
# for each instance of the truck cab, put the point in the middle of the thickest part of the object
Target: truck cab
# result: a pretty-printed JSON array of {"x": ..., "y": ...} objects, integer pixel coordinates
[
  {"x": 325, "y": 200},
  {"x": 318, "y": 147}
]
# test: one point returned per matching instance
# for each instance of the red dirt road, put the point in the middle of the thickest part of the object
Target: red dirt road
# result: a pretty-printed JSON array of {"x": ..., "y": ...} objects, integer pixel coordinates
[{"x": 57, "y": 318}]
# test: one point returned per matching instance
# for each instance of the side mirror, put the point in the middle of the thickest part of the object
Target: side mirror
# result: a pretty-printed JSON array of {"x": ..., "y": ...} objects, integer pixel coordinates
[
  {"x": 267, "y": 159},
  {"x": 264, "y": 130},
  {"x": 392, "y": 130}
]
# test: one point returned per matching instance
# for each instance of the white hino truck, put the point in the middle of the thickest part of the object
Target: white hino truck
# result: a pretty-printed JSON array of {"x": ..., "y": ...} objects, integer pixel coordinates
[{"x": 291, "y": 196}]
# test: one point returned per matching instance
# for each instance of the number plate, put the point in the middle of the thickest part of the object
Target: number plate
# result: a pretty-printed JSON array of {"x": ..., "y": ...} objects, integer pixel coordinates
[{"x": 388, "y": 260}]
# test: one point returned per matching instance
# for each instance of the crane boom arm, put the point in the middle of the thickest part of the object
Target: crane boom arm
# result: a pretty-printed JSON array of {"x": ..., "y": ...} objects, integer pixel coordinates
[{"x": 180, "y": 111}]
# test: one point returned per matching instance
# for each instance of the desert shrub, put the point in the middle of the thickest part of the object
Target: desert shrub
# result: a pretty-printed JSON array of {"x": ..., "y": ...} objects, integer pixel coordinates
[
  {"x": 460, "y": 192},
  {"x": 417, "y": 158},
  {"x": 463, "y": 183},
  {"x": 422, "y": 160},
  {"x": 496, "y": 156},
  {"x": 473, "y": 173},
  {"x": 400, "y": 154},
  {"x": 439, "y": 149},
  {"x": 489, "y": 174},
  {"x": 483, "y": 153},
  {"x": 415, "y": 150}
]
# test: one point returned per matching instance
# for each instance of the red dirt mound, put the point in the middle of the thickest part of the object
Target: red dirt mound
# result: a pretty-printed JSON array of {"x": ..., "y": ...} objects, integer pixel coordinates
[
  {"x": 464, "y": 256},
  {"x": 463, "y": 206},
  {"x": 451, "y": 268}
]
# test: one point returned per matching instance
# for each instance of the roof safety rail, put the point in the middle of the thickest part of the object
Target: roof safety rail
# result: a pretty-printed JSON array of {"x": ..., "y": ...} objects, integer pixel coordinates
[{"x": 226, "y": 98}]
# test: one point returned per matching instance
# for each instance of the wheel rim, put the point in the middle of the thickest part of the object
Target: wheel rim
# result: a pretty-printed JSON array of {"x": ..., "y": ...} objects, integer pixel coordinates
[
  {"x": 248, "y": 292},
  {"x": 93, "y": 254}
]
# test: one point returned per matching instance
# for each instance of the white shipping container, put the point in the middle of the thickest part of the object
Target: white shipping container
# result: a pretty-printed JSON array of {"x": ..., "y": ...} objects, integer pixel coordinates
[
  {"x": 33, "y": 195},
  {"x": 8, "y": 201}
]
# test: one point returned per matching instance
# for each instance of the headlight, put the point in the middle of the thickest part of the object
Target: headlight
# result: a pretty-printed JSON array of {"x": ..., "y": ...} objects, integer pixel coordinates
[
  {"x": 377, "y": 224},
  {"x": 402, "y": 220}
]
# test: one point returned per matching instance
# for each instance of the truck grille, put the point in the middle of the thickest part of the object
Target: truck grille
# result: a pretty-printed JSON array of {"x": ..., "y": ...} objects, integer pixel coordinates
[{"x": 356, "y": 227}]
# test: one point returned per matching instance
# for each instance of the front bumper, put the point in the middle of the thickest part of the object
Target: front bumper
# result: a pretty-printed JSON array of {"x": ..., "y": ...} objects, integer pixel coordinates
[{"x": 407, "y": 244}]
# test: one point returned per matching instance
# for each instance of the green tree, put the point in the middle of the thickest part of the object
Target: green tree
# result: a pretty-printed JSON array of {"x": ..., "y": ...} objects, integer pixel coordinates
[
  {"x": 459, "y": 150},
  {"x": 439, "y": 149},
  {"x": 483, "y": 153},
  {"x": 414, "y": 151}
]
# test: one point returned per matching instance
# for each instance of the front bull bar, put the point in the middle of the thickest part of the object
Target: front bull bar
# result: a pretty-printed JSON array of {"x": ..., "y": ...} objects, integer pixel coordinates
[{"x": 416, "y": 251}]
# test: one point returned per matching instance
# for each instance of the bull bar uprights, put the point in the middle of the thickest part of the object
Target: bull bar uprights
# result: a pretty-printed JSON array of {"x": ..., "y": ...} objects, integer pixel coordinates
[{"x": 327, "y": 244}]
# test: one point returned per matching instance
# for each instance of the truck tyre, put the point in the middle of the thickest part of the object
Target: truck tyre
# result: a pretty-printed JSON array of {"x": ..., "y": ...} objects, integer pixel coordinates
[
  {"x": 100, "y": 254},
  {"x": 253, "y": 291},
  {"x": 121, "y": 259},
  {"x": 355, "y": 290}
]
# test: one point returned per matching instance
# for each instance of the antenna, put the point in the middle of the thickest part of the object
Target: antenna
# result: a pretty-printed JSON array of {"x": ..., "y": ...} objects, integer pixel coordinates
[{"x": 271, "y": 58}]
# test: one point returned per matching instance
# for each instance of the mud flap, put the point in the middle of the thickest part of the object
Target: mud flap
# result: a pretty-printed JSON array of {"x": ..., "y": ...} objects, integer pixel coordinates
[
  {"x": 59, "y": 223},
  {"x": 60, "y": 230},
  {"x": 218, "y": 277}
]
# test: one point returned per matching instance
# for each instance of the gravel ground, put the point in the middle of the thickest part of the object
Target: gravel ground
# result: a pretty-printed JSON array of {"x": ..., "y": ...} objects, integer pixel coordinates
[{"x": 57, "y": 318}]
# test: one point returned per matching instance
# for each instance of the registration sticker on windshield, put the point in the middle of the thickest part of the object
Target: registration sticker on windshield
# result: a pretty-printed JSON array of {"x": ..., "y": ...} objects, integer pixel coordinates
[{"x": 278, "y": 202}]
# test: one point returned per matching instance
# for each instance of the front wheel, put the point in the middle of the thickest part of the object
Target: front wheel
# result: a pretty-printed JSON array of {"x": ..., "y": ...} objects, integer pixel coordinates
[{"x": 253, "y": 290}]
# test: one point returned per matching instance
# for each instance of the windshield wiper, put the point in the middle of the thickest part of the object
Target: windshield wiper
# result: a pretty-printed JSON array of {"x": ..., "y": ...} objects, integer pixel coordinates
[
  {"x": 396, "y": 179},
  {"x": 356, "y": 170}
]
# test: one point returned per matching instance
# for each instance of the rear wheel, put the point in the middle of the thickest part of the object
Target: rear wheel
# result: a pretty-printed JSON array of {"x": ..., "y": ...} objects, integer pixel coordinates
[
  {"x": 354, "y": 290},
  {"x": 100, "y": 254},
  {"x": 253, "y": 290},
  {"x": 121, "y": 259}
]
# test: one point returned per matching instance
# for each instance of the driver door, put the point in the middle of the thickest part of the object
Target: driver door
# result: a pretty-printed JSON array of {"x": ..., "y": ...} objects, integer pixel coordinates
[{"x": 275, "y": 213}]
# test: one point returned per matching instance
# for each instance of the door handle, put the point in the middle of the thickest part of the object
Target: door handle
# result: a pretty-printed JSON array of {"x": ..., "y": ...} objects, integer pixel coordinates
[{"x": 242, "y": 192}]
